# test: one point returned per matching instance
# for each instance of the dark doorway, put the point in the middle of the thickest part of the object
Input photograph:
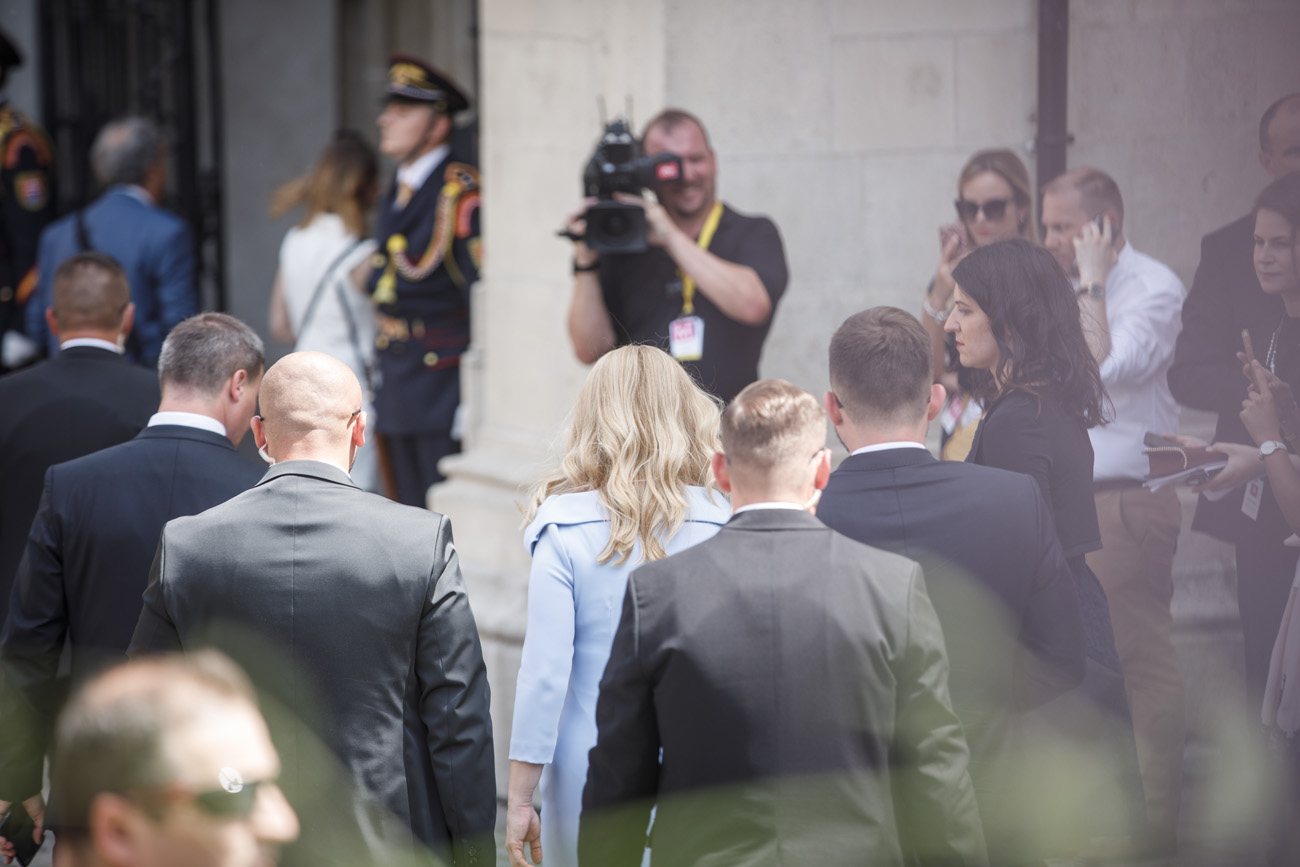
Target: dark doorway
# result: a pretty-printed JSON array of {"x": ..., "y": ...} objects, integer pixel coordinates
[{"x": 103, "y": 59}]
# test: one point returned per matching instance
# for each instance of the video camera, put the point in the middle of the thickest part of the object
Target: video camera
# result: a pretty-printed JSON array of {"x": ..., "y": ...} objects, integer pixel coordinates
[{"x": 618, "y": 166}]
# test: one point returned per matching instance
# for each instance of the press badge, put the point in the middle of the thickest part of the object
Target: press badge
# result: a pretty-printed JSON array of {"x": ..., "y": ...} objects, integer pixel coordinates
[
  {"x": 686, "y": 338},
  {"x": 1254, "y": 495}
]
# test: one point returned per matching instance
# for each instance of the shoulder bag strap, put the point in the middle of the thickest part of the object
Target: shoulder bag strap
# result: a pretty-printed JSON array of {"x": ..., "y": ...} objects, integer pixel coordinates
[{"x": 320, "y": 287}]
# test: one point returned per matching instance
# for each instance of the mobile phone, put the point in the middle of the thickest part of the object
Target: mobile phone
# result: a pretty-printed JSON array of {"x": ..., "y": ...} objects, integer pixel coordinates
[
  {"x": 951, "y": 230},
  {"x": 17, "y": 827},
  {"x": 1250, "y": 347}
]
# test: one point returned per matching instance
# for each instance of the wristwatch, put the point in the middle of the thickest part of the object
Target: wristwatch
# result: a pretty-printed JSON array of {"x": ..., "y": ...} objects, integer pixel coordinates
[
  {"x": 1093, "y": 290},
  {"x": 1267, "y": 447}
]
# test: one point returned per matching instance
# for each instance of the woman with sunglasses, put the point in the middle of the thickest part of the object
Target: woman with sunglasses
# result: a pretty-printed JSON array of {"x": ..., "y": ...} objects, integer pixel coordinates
[
  {"x": 994, "y": 203},
  {"x": 635, "y": 484},
  {"x": 1016, "y": 325}
]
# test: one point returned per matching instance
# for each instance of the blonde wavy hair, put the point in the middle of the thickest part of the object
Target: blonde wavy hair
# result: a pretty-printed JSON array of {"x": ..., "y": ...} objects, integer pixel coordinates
[{"x": 641, "y": 432}]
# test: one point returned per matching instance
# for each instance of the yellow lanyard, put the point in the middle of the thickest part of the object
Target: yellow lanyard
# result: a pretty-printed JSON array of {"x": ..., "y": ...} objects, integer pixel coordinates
[{"x": 706, "y": 236}]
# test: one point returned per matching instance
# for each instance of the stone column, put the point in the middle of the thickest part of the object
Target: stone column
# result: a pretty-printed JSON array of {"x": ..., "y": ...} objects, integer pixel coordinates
[{"x": 543, "y": 66}]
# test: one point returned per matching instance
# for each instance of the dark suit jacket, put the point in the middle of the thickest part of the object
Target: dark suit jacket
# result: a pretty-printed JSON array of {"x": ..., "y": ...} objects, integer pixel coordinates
[
  {"x": 365, "y": 597},
  {"x": 86, "y": 566},
  {"x": 797, "y": 683},
  {"x": 1000, "y": 585},
  {"x": 1225, "y": 298},
  {"x": 82, "y": 400}
]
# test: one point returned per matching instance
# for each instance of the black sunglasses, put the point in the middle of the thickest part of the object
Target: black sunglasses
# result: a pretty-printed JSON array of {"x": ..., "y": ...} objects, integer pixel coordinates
[
  {"x": 234, "y": 800},
  {"x": 994, "y": 209}
]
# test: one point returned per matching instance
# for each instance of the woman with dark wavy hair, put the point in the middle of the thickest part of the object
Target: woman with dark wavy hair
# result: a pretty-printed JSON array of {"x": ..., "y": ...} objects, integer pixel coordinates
[{"x": 1016, "y": 324}]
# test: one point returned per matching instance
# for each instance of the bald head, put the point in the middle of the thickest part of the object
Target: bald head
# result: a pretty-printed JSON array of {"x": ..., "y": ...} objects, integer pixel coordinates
[
  {"x": 90, "y": 296},
  {"x": 309, "y": 400},
  {"x": 1279, "y": 137}
]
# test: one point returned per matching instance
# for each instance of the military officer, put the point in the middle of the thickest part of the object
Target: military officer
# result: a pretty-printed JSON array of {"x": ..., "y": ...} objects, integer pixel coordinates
[
  {"x": 26, "y": 205},
  {"x": 428, "y": 257}
]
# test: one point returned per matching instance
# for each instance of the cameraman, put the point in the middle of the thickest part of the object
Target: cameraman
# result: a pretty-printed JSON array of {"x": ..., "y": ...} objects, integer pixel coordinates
[{"x": 706, "y": 288}]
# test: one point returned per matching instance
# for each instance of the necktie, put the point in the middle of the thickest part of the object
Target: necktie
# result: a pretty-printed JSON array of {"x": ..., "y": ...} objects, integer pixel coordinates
[{"x": 404, "y": 191}]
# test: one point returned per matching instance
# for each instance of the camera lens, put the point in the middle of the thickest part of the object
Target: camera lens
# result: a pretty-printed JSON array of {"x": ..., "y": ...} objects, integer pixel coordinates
[{"x": 615, "y": 225}]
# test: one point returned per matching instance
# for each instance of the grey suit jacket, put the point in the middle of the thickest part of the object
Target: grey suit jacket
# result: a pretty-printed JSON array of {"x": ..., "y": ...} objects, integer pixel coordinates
[
  {"x": 361, "y": 601},
  {"x": 797, "y": 683}
]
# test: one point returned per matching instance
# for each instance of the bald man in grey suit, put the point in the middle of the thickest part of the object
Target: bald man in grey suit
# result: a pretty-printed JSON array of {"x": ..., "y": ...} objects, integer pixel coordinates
[{"x": 365, "y": 597}]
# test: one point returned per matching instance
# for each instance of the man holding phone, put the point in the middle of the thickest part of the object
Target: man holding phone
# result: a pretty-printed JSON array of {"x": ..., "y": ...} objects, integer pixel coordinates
[{"x": 1130, "y": 306}]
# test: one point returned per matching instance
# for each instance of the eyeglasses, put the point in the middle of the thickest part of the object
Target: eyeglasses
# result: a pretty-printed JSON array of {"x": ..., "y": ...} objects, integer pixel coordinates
[
  {"x": 994, "y": 209},
  {"x": 234, "y": 800}
]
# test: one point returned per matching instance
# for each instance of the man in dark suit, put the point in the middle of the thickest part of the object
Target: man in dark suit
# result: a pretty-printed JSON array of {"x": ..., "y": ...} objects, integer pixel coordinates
[
  {"x": 1000, "y": 584},
  {"x": 84, "y": 399},
  {"x": 89, "y": 549},
  {"x": 795, "y": 680},
  {"x": 127, "y": 222},
  {"x": 365, "y": 596},
  {"x": 1224, "y": 300}
]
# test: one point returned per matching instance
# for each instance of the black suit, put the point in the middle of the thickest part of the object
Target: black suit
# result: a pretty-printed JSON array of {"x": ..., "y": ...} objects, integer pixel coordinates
[
  {"x": 1224, "y": 299},
  {"x": 797, "y": 683},
  {"x": 82, "y": 400},
  {"x": 365, "y": 598},
  {"x": 1001, "y": 587},
  {"x": 86, "y": 566}
]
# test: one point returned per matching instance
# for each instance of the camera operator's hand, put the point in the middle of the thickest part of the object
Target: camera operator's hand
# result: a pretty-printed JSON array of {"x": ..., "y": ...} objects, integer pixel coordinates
[
  {"x": 576, "y": 224},
  {"x": 659, "y": 227}
]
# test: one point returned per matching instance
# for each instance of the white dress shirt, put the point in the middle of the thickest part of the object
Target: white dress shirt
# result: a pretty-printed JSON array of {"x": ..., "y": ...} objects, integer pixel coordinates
[
  {"x": 880, "y": 447},
  {"x": 1144, "y": 303},
  {"x": 415, "y": 174},
  {"x": 90, "y": 341},
  {"x": 188, "y": 419}
]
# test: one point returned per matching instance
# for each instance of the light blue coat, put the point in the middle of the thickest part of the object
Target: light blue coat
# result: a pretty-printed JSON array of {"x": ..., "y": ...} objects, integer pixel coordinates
[{"x": 574, "y": 604}]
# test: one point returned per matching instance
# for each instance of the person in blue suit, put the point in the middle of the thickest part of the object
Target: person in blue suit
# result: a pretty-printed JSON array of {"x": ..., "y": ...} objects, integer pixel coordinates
[{"x": 129, "y": 158}]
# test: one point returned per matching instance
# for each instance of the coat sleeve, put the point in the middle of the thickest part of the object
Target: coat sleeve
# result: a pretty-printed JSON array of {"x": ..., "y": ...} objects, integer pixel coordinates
[
  {"x": 454, "y": 705},
  {"x": 1205, "y": 373},
  {"x": 155, "y": 632},
  {"x": 938, "y": 820},
  {"x": 547, "y": 660},
  {"x": 623, "y": 767},
  {"x": 1051, "y": 652},
  {"x": 174, "y": 276},
  {"x": 30, "y": 646}
]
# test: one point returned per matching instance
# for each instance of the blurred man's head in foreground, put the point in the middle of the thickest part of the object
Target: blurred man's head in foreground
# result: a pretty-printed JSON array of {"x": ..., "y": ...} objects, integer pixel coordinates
[{"x": 167, "y": 760}]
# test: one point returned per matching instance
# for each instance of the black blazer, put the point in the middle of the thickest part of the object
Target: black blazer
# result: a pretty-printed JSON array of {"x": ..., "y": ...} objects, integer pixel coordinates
[
  {"x": 80, "y": 401},
  {"x": 351, "y": 611},
  {"x": 797, "y": 683},
  {"x": 86, "y": 566},
  {"x": 1225, "y": 298},
  {"x": 1002, "y": 589}
]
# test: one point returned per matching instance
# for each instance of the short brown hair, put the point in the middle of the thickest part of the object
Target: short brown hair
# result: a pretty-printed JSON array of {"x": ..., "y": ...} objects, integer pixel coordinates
[
  {"x": 671, "y": 118},
  {"x": 1098, "y": 192},
  {"x": 880, "y": 364},
  {"x": 768, "y": 425},
  {"x": 90, "y": 291},
  {"x": 204, "y": 351}
]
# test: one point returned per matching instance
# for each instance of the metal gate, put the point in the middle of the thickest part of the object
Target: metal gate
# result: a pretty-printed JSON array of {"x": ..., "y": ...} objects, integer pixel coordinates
[{"x": 102, "y": 59}]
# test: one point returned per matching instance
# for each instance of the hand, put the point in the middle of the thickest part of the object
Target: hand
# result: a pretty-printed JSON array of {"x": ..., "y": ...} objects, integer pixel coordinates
[
  {"x": 1279, "y": 397},
  {"x": 952, "y": 251},
  {"x": 660, "y": 228},
  {"x": 35, "y": 807},
  {"x": 1186, "y": 441},
  {"x": 1243, "y": 466},
  {"x": 523, "y": 826},
  {"x": 1094, "y": 253},
  {"x": 576, "y": 224}
]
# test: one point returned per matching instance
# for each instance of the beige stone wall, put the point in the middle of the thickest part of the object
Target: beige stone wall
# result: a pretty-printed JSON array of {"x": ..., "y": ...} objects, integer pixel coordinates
[{"x": 847, "y": 122}]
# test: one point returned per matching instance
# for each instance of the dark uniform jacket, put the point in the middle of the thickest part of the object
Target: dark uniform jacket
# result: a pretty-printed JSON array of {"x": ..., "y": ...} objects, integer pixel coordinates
[
  {"x": 797, "y": 683},
  {"x": 82, "y": 400},
  {"x": 365, "y": 597},
  {"x": 26, "y": 206},
  {"x": 86, "y": 565},
  {"x": 424, "y": 329}
]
